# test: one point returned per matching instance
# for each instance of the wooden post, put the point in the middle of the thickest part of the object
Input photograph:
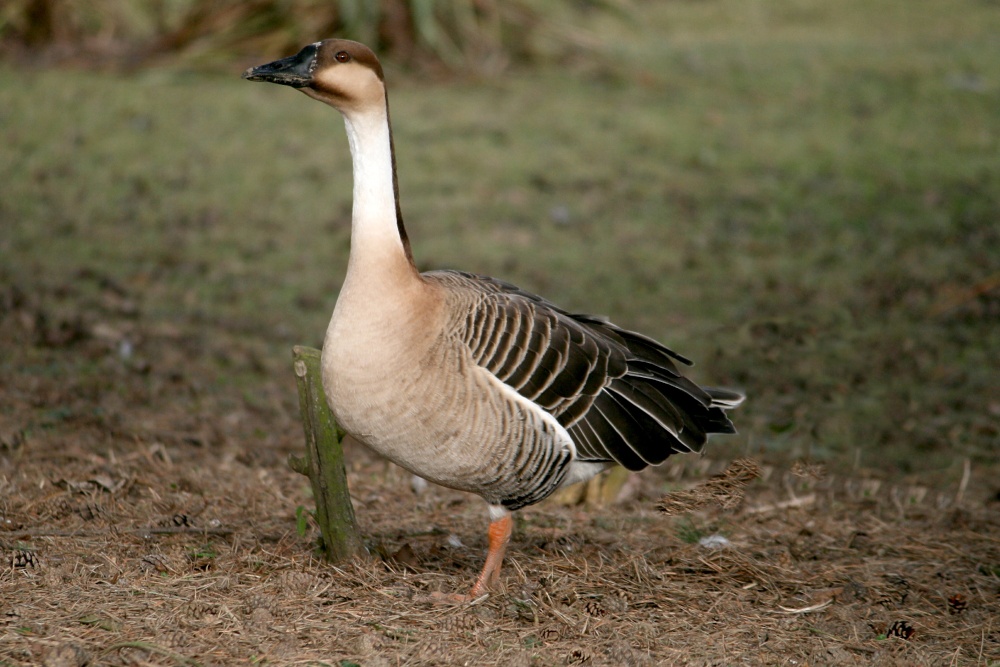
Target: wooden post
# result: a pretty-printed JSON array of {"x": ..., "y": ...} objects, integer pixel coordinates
[{"x": 324, "y": 461}]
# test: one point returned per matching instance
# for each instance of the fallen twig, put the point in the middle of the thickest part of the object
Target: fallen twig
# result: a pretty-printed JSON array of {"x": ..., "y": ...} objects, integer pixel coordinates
[
  {"x": 159, "y": 530},
  {"x": 153, "y": 648},
  {"x": 798, "y": 501},
  {"x": 806, "y": 610}
]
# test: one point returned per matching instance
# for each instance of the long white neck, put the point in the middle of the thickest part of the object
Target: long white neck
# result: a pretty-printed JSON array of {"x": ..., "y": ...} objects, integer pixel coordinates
[{"x": 375, "y": 229}]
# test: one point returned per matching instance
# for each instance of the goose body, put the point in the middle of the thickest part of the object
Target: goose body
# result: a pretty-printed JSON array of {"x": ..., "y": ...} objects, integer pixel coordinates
[{"x": 468, "y": 381}]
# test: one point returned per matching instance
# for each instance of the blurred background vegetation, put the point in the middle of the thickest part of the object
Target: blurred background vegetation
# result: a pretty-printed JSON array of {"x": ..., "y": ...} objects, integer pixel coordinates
[
  {"x": 803, "y": 196},
  {"x": 458, "y": 35}
]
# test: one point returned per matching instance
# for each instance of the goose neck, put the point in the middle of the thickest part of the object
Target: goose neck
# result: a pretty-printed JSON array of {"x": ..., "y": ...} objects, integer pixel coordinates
[{"x": 377, "y": 227}]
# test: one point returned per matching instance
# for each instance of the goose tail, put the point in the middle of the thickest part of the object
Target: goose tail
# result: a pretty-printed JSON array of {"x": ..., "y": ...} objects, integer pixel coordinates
[{"x": 716, "y": 421}]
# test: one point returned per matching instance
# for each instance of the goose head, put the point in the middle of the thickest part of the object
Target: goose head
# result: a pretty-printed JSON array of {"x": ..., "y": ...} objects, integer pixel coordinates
[
  {"x": 347, "y": 76},
  {"x": 344, "y": 74}
]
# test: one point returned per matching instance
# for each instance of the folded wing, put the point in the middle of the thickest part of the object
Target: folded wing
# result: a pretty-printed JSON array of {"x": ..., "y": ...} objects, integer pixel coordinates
[{"x": 618, "y": 393}]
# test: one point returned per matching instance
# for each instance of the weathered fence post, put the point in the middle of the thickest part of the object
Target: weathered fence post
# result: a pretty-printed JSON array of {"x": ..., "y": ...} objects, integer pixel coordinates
[{"x": 324, "y": 461}]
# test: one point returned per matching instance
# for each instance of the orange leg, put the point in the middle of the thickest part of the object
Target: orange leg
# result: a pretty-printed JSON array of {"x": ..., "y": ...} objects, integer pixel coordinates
[{"x": 500, "y": 530}]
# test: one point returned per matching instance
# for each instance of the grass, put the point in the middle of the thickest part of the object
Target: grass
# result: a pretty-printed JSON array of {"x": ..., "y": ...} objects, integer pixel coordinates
[{"x": 801, "y": 196}]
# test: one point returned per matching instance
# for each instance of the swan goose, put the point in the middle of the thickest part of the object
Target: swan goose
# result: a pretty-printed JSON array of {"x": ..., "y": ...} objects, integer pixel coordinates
[{"x": 465, "y": 380}]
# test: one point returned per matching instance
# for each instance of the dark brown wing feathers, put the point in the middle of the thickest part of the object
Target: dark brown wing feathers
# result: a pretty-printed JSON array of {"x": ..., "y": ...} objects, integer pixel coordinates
[{"x": 618, "y": 393}]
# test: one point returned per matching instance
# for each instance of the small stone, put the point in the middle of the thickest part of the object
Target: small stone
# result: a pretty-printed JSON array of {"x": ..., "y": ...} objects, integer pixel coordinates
[
  {"x": 714, "y": 542},
  {"x": 418, "y": 484}
]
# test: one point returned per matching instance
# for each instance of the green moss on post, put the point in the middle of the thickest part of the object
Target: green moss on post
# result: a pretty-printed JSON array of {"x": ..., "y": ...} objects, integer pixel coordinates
[{"x": 324, "y": 461}]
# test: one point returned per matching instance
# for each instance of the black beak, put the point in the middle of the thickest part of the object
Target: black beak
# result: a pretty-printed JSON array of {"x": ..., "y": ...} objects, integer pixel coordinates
[{"x": 295, "y": 71}]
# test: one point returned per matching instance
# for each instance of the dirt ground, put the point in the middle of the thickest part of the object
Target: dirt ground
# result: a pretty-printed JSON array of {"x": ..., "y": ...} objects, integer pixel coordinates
[{"x": 148, "y": 517}]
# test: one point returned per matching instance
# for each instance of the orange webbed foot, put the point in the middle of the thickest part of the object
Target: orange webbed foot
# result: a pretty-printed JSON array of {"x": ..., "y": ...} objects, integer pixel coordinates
[{"x": 499, "y": 535}]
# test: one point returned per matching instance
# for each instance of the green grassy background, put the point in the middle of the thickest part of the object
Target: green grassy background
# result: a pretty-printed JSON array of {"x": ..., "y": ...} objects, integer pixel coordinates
[{"x": 802, "y": 196}]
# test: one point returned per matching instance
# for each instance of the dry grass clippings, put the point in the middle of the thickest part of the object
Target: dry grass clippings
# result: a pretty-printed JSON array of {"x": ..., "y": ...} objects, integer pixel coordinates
[
  {"x": 203, "y": 563},
  {"x": 725, "y": 490}
]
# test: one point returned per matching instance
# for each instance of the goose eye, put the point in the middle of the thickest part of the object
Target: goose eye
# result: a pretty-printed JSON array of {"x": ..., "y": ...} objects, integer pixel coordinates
[{"x": 343, "y": 57}]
